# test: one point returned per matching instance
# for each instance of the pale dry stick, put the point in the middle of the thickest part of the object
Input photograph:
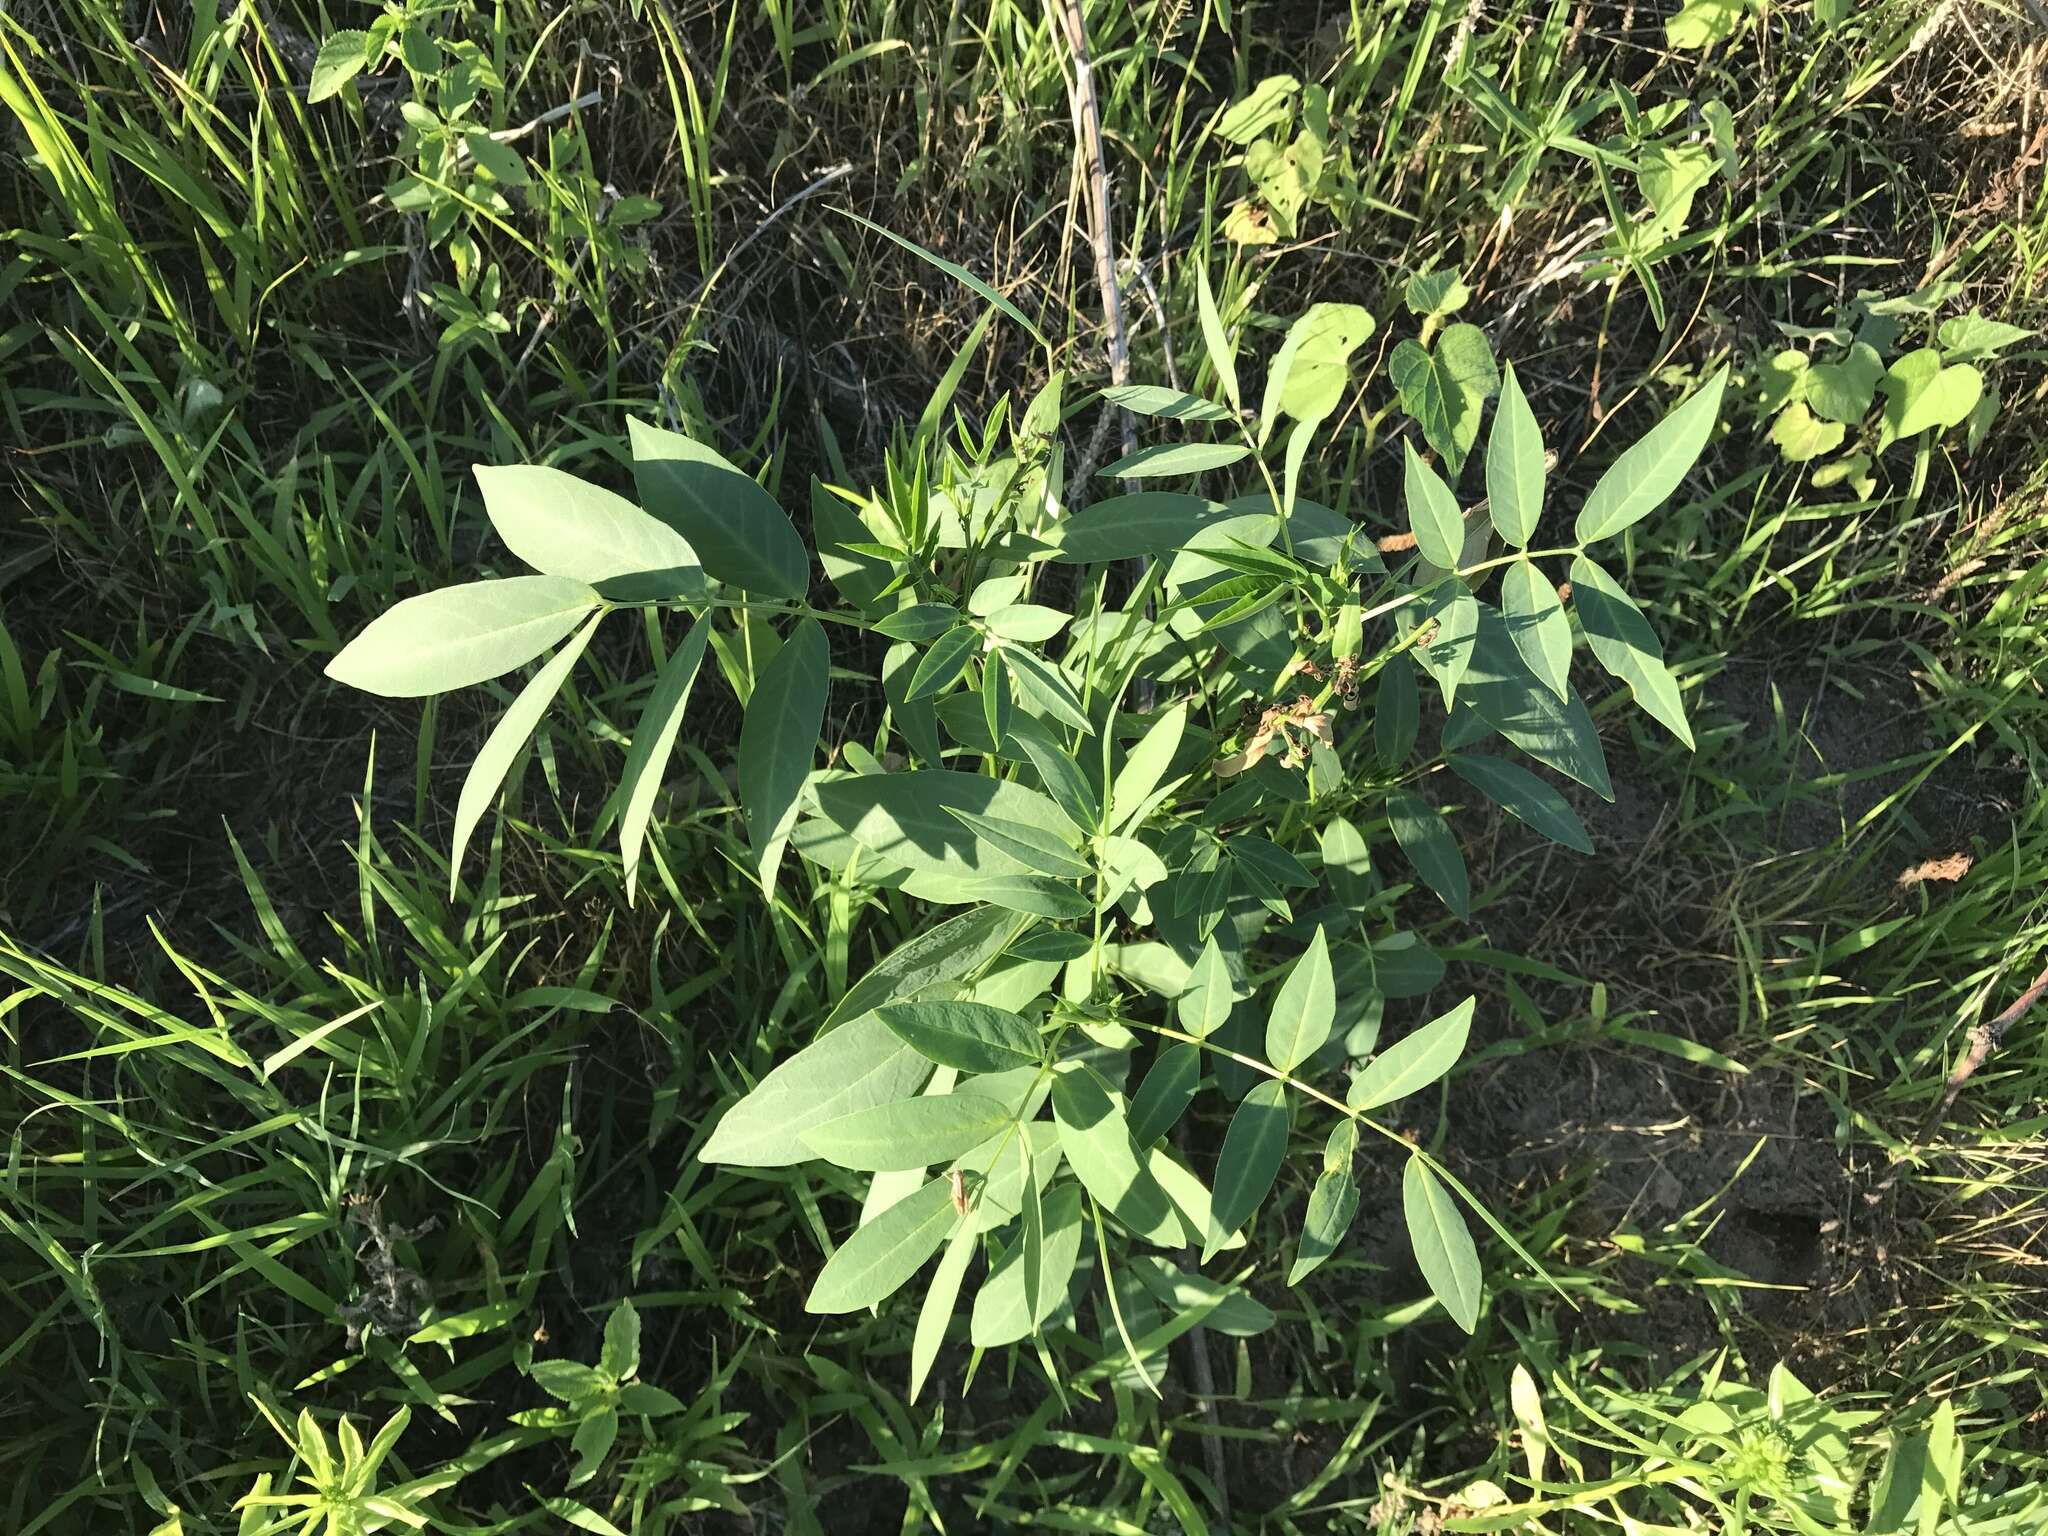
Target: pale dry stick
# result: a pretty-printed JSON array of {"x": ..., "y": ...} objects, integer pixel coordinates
[
  {"x": 1984, "y": 1039},
  {"x": 533, "y": 125},
  {"x": 1087, "y": 112}
]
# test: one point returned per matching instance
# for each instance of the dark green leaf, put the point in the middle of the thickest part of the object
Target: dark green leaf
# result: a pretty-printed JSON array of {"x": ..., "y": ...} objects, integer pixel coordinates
[
  {"x": 970, "y": 1036},
  {"x": 1143, "y": 523},
  {"x": 739, "y": 533},
  {"x": 919, "y": 622},
  {"x": 1165, "y": 1092},
  {"x": 778, "y": 737},
  {"x": 1397, "y": 711},
  {"x": 1205, "y": 1003},
  {"x": 1035, "y": 846},
  {"x": 1426, "y": 839},
  {"x": 945, "y": 661},
  {"x": 1249, "y": 1161},
  {"x": 1524, "y": 796}
]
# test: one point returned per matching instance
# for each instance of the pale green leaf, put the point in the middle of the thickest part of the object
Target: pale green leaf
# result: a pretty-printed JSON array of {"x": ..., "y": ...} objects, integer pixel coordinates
[
  {"x": 1331, "y": 1205},
  {"x": 1096, "y": 1138},
  {"x": 653, "y": 739},
  {"x": 1038, "y": 847},
  {"x": 853, "y": 1067},
  {"x": 882, "y": 1256},
  {"x": 342, "y": 56},
  {"x": 1204, "y": 1005},
  {"x": 1433, "y": 515},
  {"x": 1134, "y": 526},
  {"x": 620, "y": 1357},
  {"x": 910, "y": 1133},
  {"x": 1650, "y": 469},
  {"x": 1165, "y": 404},
  {"x": 1004, "y": 1311},
  {"x": 1443, "y": 1246},
  {"x": 1145, "y": 767},
  {"x": 494, "y": 759},
  {"x": 461, "y": 635},
  {"x": 1623, "y": 642},
  {"x": 1174, "y": 459},
  {"x": 1414, "y": 1061},
  {"x": 1304, "y": 1009},
  {"x": 1514, "y": 466},
  {"x": 1222, "y": 356},
  {"x": 939, "y": 1302}
]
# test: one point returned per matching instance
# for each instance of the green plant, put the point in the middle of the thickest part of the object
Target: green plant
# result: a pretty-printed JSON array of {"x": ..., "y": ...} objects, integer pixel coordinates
[
  {"x": 1873, "y": 389},
  {"x": 593, "y": 1396},
  {"x": 344, "y": 1498},
  {"x": 1160, "y": 837}
]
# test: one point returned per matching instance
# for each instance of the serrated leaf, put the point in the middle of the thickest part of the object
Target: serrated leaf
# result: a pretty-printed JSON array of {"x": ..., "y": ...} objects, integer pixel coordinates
[
  {"x": 1650, "y": 469},
  {"x": 461, "y": 635},
  {"x": 1524, "y": 796},
  {"x": 1443, "y": 1246},
  {"x": 1304, "y": 1009},
  {"x": 621, "y": 1354},
  {"x": 972, "y": 1037},
  {"x": 653, "y": 739},
  {"x": 1536, "y": 623},
  {"x": 741, "y": 536},
  {"x": 1623, "y": 642},
  {"x": 1164, "y": 1094},
  {"x": 1414, "y": 1061},
  {"x": 1514, "y": 466},
  {"x": 778, "y": 738},
  {"x": 1425, "y": 837},
  {"x": 910, "y": 1133},
  {"x": 853, "y": 1067},
  {"x": 880, "y": 1258},
  {"x": 494, "y": 759},
  {"x": 1433, "y": 515},
  {"x": 1096, "y": 1138},
  {"x": 342, "y": 56},
  {"x": 1205, "y": 1003},
  {"x": 1249, "y": 1161}
]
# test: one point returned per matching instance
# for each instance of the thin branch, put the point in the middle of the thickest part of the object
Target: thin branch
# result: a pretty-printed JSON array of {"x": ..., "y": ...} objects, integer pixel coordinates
[{"x": 1985, "y": 1039}]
